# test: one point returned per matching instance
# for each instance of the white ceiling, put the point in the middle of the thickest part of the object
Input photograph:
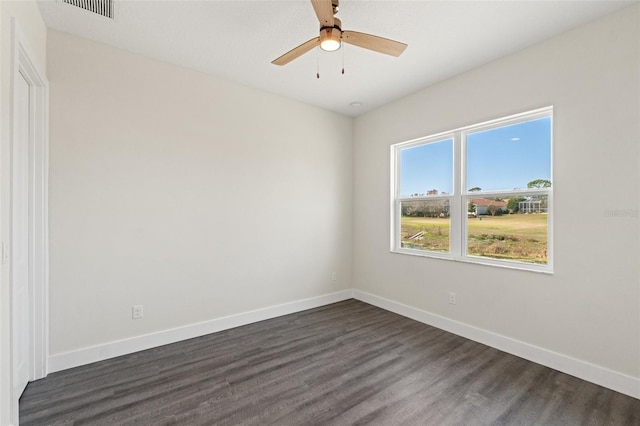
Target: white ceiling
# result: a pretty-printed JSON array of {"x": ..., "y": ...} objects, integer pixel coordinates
[{"x": 237, "y": 40}]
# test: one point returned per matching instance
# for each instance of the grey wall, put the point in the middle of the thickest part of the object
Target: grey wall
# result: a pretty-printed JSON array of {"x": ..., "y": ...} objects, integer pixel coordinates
[
  {"x": 182, "y": 192},
  {"x": 589, "y": 308}
]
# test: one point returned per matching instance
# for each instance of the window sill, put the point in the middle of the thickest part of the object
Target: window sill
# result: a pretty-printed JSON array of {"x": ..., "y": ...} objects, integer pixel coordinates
[{"x": 520, "y": 266}]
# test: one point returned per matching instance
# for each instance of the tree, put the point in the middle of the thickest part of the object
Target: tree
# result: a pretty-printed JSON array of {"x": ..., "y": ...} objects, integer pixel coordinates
[
  {"x": 539, "y": 183},
  {"x": 408, "y": 209},
  {"x": 446, "y": 208},
  {"x": 471, "y": 207},
  {"x": 423, "y": 209}
]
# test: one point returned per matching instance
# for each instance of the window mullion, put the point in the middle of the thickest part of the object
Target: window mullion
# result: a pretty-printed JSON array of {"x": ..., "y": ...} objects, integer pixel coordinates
[
  {"x": 455, "y": 240},
  {"x": 464, "y": 218},
  {"x": 395, "y": 203}
]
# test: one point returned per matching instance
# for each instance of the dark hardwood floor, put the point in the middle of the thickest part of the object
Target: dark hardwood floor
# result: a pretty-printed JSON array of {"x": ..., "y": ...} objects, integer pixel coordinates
[{"x": 349, "y": 363}]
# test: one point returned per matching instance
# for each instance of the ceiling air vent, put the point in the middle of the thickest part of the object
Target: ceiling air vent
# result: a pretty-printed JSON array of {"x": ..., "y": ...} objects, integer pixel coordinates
[{"x": 100, "y": 7}]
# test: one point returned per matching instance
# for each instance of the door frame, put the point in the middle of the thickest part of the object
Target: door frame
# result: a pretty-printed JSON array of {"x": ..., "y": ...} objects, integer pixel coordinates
[{"x": 24, "y": 66}]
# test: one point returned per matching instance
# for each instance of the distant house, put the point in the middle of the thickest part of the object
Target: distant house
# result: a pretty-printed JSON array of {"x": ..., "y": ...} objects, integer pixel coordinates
[
  {"x": 532, "y": 206},
  {"x": 482, "y": 205}
]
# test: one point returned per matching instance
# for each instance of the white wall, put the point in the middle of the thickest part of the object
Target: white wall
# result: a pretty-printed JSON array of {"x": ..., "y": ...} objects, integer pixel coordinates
[
  {"x": 193, "y": 196},
  {"x": 27, "y": 16},
  {"x": 589, "y": 309}
]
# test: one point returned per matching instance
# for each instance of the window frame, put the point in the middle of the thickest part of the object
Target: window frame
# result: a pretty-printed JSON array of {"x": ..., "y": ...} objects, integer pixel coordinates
[{"x": 458, "y": 218}]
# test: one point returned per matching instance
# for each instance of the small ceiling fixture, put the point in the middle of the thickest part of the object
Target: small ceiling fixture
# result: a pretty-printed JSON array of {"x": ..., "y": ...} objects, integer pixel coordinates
[{"x": 332, "y": 36}]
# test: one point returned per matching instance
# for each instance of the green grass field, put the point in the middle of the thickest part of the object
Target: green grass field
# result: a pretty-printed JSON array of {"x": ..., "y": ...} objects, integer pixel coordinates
[{"x": 520, "y": 237}]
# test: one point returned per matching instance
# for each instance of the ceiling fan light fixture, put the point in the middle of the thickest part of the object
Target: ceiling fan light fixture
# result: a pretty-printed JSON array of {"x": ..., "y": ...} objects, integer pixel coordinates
[
  {"x": 330, "y": 45},
  {"x": 330, "y": 39}
]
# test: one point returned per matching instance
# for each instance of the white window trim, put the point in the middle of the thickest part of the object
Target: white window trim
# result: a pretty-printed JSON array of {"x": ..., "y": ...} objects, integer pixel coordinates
[{"x": 458, "y": 214}]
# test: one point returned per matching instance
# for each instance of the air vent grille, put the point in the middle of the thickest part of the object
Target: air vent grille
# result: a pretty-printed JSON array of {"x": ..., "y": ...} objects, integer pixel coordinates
[{"x": 100, "y": 7}]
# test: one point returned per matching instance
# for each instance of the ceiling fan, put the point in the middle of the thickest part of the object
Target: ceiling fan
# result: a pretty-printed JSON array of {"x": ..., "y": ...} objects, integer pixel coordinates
[{"x": 332, "y": 36}]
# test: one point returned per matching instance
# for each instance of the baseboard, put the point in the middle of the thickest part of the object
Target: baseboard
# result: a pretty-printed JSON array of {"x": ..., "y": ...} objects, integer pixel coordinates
[
  {"x": 618, "y": 382},
  {"x": 96, "y": 353}
]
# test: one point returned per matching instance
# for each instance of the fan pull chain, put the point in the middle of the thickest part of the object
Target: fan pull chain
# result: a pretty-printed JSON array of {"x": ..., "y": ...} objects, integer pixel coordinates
[
  {"x": 343, "y": 59},
  {"x": 318, "y": 63}
]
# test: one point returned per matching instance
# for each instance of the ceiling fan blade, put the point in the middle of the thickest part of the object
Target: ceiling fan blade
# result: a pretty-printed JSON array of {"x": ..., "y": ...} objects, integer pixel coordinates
[
  {"x": 296, "y": 52},
  {"x": 375, "y": 43},
  {"x": 324, "y": 12}
]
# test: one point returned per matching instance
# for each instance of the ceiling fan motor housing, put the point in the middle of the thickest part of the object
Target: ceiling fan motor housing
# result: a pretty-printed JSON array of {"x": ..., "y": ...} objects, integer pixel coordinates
[{"x": 337, "y": 24}]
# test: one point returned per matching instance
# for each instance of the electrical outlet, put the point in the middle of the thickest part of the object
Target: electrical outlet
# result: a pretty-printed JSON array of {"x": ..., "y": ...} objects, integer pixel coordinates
[
  {"x": 452, "y": 298},
  {"x": 334, "y": 276},
  {"x": 137, "y": 311}
]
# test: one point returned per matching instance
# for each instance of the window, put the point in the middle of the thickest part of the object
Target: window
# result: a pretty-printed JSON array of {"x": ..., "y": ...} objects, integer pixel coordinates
[{"x": 482, "y": 193}]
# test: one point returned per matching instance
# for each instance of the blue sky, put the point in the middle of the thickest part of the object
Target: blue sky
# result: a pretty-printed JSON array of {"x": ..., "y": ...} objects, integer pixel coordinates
[{"x": 498, "y": 159}]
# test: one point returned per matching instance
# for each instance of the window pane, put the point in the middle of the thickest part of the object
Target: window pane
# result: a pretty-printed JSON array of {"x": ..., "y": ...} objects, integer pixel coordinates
[
  {"x": 510, "y": 157},
  {"x": 427, "y": 169},
  {"x": 520, "y": 236},
  {"x": 424, "y": 225}
]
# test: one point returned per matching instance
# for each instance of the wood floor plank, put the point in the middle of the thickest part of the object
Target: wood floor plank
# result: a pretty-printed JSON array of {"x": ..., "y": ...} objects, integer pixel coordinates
[{"x": 349, "y": 363}]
